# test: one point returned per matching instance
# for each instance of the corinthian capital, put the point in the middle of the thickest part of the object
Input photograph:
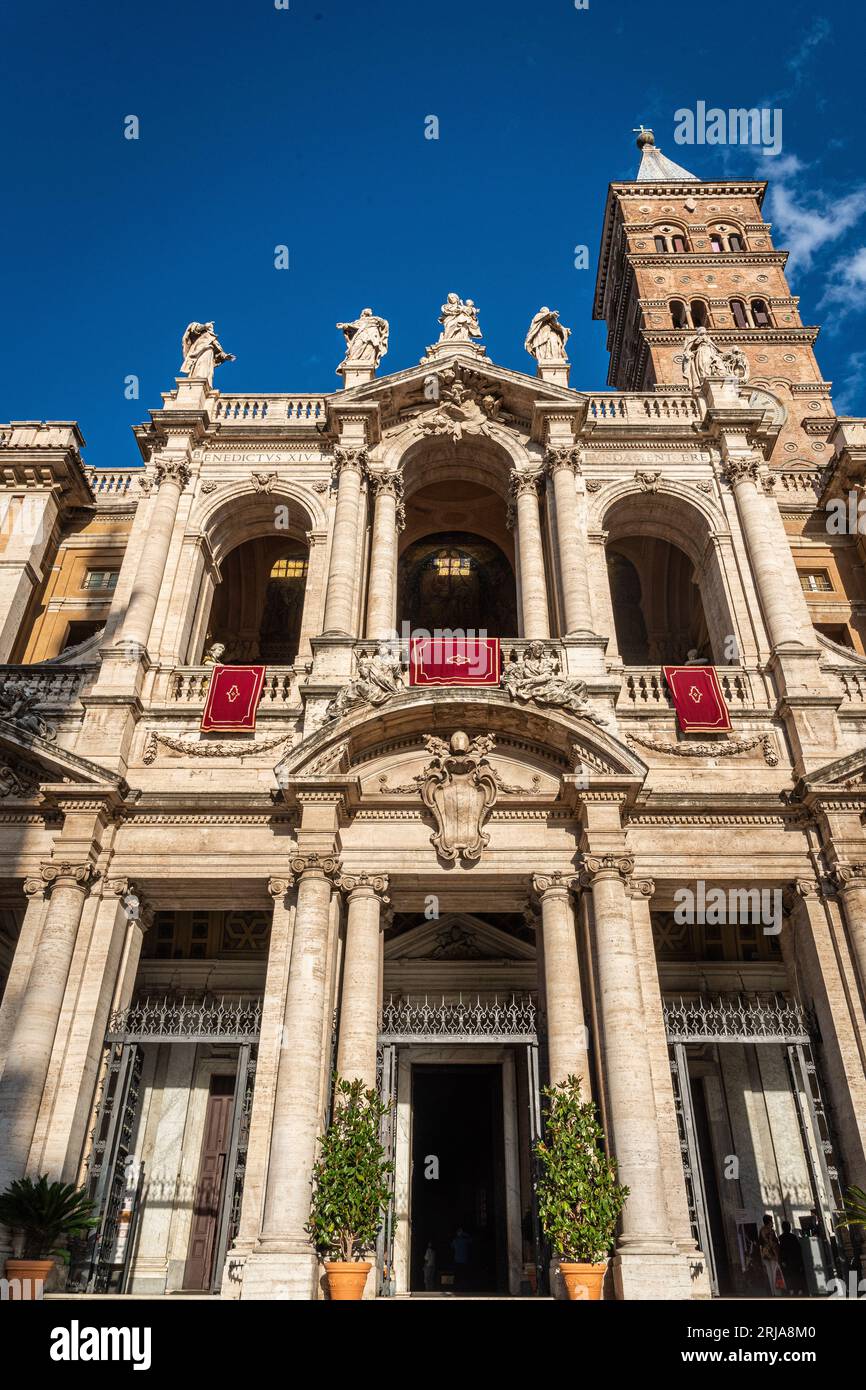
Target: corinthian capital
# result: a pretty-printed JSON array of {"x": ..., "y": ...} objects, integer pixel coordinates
[
  {"x": 557, "y": 882},
  {"x": 391, "y": 483},
  {"x": 60, "y": 874},
  {"x": 848, "y": 876},
  {"x": 597, "y": 866},
  {"x": 172, "y": 470},
  {"x": 742, "y": 466},
  {"x": 561, "y": 456},
  {"x": 364, "y": 883},
  {"x": 320, "y": 865},
  {"x": 524, "y": 482},
  {"x": 353, "y": 459}
]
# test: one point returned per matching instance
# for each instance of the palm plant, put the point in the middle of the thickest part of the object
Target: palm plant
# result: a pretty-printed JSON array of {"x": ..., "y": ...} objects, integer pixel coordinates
[
  {"x": 855, "y": 1208},
  {"x": 46, "y": 1214}
]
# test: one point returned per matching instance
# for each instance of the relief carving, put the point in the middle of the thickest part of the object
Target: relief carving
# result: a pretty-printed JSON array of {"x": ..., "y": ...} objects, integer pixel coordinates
[{"x": 459, "y": 786}]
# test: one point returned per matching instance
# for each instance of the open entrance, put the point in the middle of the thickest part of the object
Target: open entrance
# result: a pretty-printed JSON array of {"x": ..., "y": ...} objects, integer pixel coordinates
[{"x": 458, "y": 1218}]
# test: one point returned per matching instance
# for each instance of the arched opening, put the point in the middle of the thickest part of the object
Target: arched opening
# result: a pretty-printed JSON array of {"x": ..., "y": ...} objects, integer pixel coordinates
[
  {"x": 760, "y": 314},
  {"x": 700, "y": 314},
  {"x": 658, "y": 610},
  {"x": 457, "y": 580},
  {"x": 258, "y": 605},
  {"x": 740, "y": 315},
  {"x": 679, "y": 314}
]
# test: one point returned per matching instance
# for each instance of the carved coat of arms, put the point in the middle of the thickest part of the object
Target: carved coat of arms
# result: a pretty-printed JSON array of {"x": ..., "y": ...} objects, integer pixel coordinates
[{"x": 459, "y": 787}]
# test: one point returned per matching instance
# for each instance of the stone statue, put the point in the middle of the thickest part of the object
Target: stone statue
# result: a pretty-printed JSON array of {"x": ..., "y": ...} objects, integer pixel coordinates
[
  {"x": 736, "y": 363},
  {"x": 459, "y": 786},
  {"x": 459, "y": 320},
  {"x": 202, "y": 352},
  {"x": 537, "y": 676},
  {"x": 214, "y": 654},
  {"x": 18, "y": 705},
  {"x": 366, "y": 340},
  {"x": 378, "y": 677},
  {"x": 702, "y": 359},
  {"x": 546, "y": 337}
]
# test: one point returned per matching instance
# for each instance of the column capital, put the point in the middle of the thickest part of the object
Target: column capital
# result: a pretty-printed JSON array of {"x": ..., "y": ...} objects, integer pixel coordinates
[
  {"x": 558, "y": 457},
  {"x": 525, "y": 481},
  {"x": 391, "y": 483},
  {"x": 739, "y": 466},
  {"x": 364, "y": 885},
  {"x": 279, "y": 887},
  {"x": 60, "y": 874},
  {"x": 641, "y": 887},
  {"x": 132, "y": 901},
  {"x": 315, "y": 865},
  {"x": 601, "y": 866},
  {"x": 558, "y": 883},
  {"x": 352, "y": 458},
  {"x": 848, "y": 876},
  {"x": 172, "y": 470}
]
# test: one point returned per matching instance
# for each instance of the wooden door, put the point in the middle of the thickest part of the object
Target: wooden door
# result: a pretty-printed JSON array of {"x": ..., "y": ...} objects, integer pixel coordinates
[{"x": 210, "y": 1186}]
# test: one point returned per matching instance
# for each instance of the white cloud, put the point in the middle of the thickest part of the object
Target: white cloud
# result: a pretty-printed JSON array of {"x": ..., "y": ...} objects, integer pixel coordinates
[
  {"x": 807, "y": 221},
  {"x": 846, "y": 283}
]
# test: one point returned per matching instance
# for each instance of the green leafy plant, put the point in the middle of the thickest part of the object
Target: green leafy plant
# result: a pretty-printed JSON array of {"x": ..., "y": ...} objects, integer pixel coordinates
[
  {"x": 579, "y": 1197},
  {"x": 46, "y": 1214},
  {"x": 855, "y": 1208},
  {"x": 350, "y": 1176}
]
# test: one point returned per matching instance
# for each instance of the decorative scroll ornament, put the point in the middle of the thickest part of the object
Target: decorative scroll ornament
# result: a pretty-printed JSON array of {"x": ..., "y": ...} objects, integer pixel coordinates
[
  {"x": 68, "y": 875},
  {"x": 607, "y": 866},
  {"x": 848, "y": 876},
  {"x": 18, "y": 702},
  {"x": 537, "y": 676},
  {"x": 459, "y": 786},
  {"x": 236, "y": 749},
  {"x": 728, "y": 749},
  {"x": 328, "y": 865},
  {"x": 378, "y": 677},
  {"x": 17, "y": 780},
  {"x": 376, "y": 884},
  {"x": 545, "y": 883}
]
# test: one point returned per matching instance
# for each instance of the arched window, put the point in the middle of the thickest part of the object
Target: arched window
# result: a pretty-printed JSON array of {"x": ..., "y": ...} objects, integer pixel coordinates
[
  {"x": 738, "y": 311},
  {"x": 735, "y": 242},
  {"x": 716, "y": 243},
  {"x": 679, "y": 314},
  {"x": 700, "y": 314},
  {"x": 661, "y": 244},
  {"x": 760, "y": 313},
  {"x": 678, "y": 242}
]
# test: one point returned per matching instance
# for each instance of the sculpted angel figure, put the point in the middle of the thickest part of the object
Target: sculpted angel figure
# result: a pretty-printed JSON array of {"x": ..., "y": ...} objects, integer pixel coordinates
[
  {"x": 378, "y": 676},
  {"x": 18, "y": 704},
  {"x": 736, "y": 363},
  {"x": 202, "y": 351},
  {"x": 366, "y": 340},
  {"x": 546, "y": 337},
  {"x": 537, "y": 676},
  {"x": 459, "y": 320},
  {"x": 702, "y": 359}
]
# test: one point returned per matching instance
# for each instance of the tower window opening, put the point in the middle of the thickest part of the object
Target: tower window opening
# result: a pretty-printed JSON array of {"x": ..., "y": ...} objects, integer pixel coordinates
[{"x": 738, "y": 311}]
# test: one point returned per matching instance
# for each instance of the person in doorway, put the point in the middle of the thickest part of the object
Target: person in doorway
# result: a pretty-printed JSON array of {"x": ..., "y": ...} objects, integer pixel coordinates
[
  {"x": 791, "y": 1260},
  {"x": 461, "y": 1247},
  {"x": 768, "y": 1243},
  {"x": 429, "y": 1268}
]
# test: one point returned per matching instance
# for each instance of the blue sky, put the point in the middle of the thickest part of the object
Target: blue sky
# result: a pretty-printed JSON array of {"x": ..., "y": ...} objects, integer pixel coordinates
[{"x": 305, "y": 127}]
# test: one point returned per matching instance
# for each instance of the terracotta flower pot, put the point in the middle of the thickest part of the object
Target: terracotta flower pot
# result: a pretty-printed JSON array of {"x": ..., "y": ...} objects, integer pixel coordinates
[
  {"x": 346, "y": 1281},
  {"x": 32, "y": 1276},
  {"x": 583, "y": 1281}
]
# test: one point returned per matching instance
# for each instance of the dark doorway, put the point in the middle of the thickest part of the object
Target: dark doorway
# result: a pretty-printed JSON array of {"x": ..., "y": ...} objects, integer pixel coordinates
[
  {"x": 715, "y": 1219},
  {"x": 199, "y": 1270},
  {"x": 458, "y": 1180}
]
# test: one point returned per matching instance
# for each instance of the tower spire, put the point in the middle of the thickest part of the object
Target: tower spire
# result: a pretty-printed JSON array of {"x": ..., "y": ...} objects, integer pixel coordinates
[{"x": 654, "y": 167}]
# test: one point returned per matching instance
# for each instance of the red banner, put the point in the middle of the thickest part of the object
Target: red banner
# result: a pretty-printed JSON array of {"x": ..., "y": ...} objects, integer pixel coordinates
[
  {"x": 232, "y": 698},
  {"x": 698, "y": 699},
  {"x": 454, "y": 661}
]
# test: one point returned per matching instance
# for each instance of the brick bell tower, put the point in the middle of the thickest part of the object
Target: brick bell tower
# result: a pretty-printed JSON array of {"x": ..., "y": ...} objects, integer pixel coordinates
[{"x": 678, "y": 253}]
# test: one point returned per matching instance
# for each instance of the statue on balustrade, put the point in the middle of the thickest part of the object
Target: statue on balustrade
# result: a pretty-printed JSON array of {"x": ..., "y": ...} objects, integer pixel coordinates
[
  {"x": 537, "y": 676},
  {"x": 378, "y": 677},
  {"x": 546, "y": 337},
  {"x": 202, "y": 351},
  {"x": 702, "y": 360},
  {"x": 366, "y": 340},
  {"x": 459, "y": 320}
]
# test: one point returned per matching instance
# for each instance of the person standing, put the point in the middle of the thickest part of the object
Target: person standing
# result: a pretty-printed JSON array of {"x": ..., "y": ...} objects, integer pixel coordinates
[
  {"x": 791, "y": 1259},
  {"x": 768, "y": 1243}
]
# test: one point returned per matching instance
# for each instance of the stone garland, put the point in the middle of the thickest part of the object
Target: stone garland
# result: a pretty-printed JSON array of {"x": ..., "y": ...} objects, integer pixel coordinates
[
  {"x": 207, "y": 750},
  {"x": 710, "y": 750}
]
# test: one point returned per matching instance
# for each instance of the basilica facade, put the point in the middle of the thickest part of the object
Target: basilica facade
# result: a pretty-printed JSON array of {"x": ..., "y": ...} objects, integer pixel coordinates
[{"x": 199, "y": 929}]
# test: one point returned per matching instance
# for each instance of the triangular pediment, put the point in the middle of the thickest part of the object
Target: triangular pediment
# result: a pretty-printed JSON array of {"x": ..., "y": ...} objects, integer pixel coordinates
[
  {"x": 457, "y": 936},
  {"x": 27, "y": 761},
  {"x": 840, "y": 775}
]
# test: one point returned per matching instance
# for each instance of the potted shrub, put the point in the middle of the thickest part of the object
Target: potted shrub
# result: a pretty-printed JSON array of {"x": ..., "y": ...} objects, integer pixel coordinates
[
  {"x": 579, "y": 1197},
  {"x": 350, "y": 1188},
  {"x": 44, "y": 1215}
]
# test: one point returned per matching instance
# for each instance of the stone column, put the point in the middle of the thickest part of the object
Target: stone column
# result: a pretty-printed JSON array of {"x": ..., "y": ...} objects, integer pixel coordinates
[
  {"x": 850, "y": 880},
  {"x": 33, "y": 1036},
  {"x": 647, "y": 1262},
  {"x": 283, "y": 1264},
  {"x": 351, "y": 465},
  {"x": 360, "y": 998},
  {"x": 741, "y": 471},
  {"x": 562, "y": 464},
  {"x": 382, "y": 583},
  {"x": 566, "y": 1031},
  {"x": 533, "y": 584},
  {"x": 172, "y": 476}
]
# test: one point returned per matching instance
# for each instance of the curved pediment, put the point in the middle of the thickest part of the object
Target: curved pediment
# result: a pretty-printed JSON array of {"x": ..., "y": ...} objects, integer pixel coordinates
[{"x": 536, "y": 754}]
